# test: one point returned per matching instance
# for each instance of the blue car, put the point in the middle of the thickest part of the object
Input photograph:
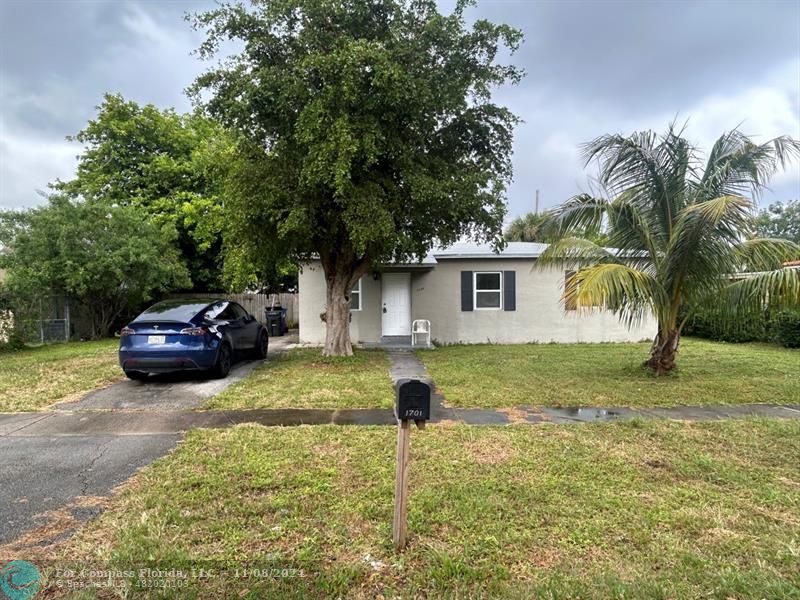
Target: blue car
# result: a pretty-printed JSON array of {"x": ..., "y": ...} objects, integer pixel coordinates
[{"x": 196, "y": 335}]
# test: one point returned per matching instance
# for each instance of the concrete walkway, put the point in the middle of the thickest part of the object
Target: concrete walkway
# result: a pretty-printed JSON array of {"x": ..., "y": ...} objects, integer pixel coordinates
[
  {"x": 404, "y": 364},
  {"x": 138, "y": 423}
]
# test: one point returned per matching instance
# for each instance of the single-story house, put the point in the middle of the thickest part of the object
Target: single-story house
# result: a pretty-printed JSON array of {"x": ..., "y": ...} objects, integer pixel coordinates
[{"x": 470, "y": 295}]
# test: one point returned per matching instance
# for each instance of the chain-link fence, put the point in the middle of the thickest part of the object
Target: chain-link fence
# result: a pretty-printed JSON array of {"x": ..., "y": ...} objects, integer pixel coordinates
[
  {"x": 42, "y": 320},
  {"x": 47, "y": 330}
]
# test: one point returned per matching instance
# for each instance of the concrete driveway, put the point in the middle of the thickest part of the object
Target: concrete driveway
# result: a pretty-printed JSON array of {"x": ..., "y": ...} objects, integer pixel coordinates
[
  {"x": 45, "y": 471},
  {"x": 170, "y": 391}
]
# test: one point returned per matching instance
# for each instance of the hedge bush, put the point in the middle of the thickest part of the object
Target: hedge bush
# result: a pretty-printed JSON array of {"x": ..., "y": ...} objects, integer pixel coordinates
[
  {"x": 786, "y": 325},
  {"x": 710, "y": 325},
  {"x": 781, "y": 327}
]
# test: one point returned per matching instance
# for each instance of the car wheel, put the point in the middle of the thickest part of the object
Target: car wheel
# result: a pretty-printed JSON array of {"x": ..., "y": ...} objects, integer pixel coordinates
[
  {"x": 136, "y": 375},
  {"x": 262, "y": 345},
  {"x": 224, "y": 361}
]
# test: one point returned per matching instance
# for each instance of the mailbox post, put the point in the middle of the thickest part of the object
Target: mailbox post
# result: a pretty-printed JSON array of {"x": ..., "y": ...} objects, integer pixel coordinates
[{"x": 412, "y": 403}]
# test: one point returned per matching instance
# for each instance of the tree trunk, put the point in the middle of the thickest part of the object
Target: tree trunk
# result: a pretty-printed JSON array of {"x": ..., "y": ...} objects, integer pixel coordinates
[
  {"x": 337, "y": 315},
  {"x": 342, "y": 271},
  {"x": 664, "y": 352}
]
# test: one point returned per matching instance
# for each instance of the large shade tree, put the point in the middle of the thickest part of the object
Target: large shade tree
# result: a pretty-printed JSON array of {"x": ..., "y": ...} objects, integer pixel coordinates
[
  {"x": 682, "y": 228},
  {"x": 108, "y": 259},
  {"x": 366, "y": 133},
  {"x": 780, "y": 219},
  {"x": 169, "y": 165}
]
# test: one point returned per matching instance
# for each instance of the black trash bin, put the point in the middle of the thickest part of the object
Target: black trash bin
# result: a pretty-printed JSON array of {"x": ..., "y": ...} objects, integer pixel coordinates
[
  {"x": 274, "y": 322},
  {"x": 284, "y": 325}
]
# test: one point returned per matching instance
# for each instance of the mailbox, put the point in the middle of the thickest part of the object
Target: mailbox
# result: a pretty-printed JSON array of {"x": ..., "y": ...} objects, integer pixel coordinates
[{"x": 413, "y": 401}]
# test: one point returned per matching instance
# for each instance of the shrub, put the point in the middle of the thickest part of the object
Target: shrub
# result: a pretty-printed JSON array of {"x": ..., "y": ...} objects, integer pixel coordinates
[
  {"x": 786, "y": 325},
  {"x": 710, "y": 325}
]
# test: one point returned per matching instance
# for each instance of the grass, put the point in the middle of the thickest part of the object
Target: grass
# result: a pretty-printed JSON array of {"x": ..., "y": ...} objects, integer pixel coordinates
[
  {"x": 33, "y": 378},
  {"x": 623, "y": 510},
  {"x": 303, "y": 378},
  {"x": 611, "y": 375}
]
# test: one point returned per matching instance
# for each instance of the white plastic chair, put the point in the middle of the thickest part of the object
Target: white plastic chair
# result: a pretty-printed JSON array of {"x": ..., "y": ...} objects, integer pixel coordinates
[{"x": 421, "y": 328}]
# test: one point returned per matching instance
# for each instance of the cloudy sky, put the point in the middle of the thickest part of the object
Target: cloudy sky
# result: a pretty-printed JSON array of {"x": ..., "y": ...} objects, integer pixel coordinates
[{"x": 593, "y": 67}]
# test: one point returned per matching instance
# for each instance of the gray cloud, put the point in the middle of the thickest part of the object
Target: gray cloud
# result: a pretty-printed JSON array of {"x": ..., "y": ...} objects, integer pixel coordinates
[{"x": 593, "y": 67}]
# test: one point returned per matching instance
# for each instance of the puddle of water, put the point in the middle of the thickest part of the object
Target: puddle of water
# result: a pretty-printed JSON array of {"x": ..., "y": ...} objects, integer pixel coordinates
[{"x": 584, "y": 414}]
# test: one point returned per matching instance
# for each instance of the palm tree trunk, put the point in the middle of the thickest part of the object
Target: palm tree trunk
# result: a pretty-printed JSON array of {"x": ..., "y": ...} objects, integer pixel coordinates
[{"x": 664, "y": 352}]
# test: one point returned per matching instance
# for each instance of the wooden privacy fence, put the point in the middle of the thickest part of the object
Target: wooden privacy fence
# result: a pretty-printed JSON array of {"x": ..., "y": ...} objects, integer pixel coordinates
[{"x": 256, "y": 303}]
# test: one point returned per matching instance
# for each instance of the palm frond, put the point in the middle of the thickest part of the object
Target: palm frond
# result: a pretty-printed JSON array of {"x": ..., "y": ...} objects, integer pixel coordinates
[
  {"x": 579, "y": 213},
  {"x": 573, "y": 252},
  {"x": 631, "y": 229},
  {"x": 631, "y": 293},
  {"x": 638, "y": 165},
  {"x": 779, "y": 288},
  {"x": 702, "y": 248},
  {"x": 679, "y": 163},
  {"x": 625, "y": 161},
  {"x": 765, "y": 254},
  {"x": 733, "y": 209},
  {"x": 737, "y": 166}
]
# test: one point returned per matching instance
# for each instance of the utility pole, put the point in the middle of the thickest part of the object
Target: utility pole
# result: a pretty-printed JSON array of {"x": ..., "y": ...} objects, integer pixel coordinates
[{"x": 536, "y": 209}]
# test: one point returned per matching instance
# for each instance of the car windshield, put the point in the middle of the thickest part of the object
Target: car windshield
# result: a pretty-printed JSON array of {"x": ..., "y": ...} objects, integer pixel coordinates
[{"x": 172, "y": 311}]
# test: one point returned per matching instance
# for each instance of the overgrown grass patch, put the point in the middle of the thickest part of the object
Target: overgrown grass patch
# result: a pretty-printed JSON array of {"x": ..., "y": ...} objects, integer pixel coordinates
[
  {"x": 33, "y": 378},
  {"x": 303, "y": 378},
  {"x": 612, "y": 375},
  {"x": 625, "y": 510}
]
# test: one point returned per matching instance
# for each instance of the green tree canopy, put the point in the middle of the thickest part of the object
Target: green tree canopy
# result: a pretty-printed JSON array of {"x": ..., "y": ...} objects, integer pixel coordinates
[
  {"x": 170, "y": 165},
  {"x": 106, "y": 258},
  {"x": 780, "y": 220},
  {"x": 683, "y": 228},
  {"x": 367, "y": 132}
]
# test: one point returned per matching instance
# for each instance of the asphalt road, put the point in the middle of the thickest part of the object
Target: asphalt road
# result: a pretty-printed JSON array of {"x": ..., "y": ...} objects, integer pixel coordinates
[{"x": 43, "y": 473}]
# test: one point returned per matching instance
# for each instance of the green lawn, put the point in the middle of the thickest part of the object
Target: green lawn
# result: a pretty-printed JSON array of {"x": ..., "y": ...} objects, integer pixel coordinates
[
  {"x": 33, "y": 378},
  {"x": 303, "y": 378},
  {"x": 612, "y": 375},
  {"x": 623, "y": 510}
]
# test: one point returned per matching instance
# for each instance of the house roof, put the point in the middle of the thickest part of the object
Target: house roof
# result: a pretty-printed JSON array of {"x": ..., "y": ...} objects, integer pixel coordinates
[{"x": 476, "y": 250}]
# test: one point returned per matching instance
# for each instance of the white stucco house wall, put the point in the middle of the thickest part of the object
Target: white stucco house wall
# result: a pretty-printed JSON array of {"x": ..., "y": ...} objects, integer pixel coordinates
[{"x": 470, "y": 295}]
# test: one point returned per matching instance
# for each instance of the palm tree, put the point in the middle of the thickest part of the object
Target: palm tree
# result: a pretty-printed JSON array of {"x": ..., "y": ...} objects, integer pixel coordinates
[
  {"x": 543, "y": 227},
  {"x": 680, "y": 231},
  {"x": 530, "y": 227}
]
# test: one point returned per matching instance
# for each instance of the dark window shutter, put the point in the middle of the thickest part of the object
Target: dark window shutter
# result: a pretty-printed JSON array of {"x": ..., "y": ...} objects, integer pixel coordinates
[
  {"x": 509, "y": 290},
  {"x": 466, "y": 290}
]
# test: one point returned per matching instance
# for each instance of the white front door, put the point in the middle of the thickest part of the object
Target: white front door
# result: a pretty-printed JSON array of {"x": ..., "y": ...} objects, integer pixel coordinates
[{"x": 396, "y": 303}]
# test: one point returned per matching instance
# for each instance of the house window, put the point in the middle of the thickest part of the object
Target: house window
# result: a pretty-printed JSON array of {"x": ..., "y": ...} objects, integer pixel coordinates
[
  {"x": 355, "y": 296},
  {"x": 488, "y": 288}
]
